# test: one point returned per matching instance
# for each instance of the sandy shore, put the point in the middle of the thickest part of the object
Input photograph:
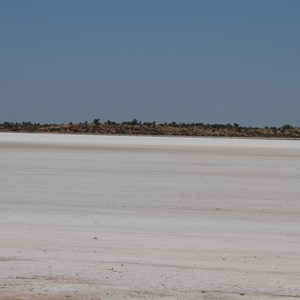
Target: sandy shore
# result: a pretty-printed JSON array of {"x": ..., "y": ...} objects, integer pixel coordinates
[{"x": 107, "y": 217}]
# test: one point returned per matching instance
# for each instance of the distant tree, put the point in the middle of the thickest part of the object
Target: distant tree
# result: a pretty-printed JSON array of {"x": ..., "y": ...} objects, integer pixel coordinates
[
  {"x": 96, "y": 121},
  {"x": 287, "y": 126},
  {"x": 134, "y": 122}
]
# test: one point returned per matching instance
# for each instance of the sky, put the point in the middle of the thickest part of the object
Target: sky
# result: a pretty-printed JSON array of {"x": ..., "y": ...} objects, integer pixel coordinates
[{"x": 185, "y": 61}]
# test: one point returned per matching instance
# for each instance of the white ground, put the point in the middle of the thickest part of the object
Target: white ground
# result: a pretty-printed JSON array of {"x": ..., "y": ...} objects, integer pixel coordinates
[{"x": 101, "y": 217}]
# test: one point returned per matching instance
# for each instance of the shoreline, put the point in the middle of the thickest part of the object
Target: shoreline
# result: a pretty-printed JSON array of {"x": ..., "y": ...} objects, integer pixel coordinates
[{"x": 154, "y": 135}]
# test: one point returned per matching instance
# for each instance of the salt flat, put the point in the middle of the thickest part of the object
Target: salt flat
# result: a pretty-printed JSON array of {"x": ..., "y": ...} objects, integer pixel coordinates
[{"x": 109, "y": 217}]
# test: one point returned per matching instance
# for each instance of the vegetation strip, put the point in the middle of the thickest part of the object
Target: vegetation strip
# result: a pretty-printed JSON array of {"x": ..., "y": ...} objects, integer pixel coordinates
[{"x": 136, "y": 127}]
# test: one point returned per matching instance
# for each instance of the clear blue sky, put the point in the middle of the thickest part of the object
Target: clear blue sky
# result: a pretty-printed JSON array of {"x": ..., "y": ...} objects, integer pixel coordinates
[{"x": 185, "y": 61}]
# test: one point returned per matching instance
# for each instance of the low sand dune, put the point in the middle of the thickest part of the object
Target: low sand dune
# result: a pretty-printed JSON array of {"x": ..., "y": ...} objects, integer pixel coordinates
[{"x": 107, "y": 217}]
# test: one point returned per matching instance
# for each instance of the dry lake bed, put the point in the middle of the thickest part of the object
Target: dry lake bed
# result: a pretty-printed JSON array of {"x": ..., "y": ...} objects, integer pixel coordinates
[{"x": 110, "y": 217}]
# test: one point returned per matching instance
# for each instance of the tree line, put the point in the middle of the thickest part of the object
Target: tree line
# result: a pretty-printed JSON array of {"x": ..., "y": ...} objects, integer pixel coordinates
[{"x": 136, "y": 122}]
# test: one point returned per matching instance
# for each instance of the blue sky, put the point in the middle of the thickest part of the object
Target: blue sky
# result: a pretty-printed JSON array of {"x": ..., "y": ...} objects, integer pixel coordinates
[{"x": 185, "y": 61}]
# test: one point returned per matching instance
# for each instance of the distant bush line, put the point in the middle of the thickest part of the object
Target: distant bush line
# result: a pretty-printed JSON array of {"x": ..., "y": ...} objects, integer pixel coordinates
[{"x": 136, "y": 127}]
